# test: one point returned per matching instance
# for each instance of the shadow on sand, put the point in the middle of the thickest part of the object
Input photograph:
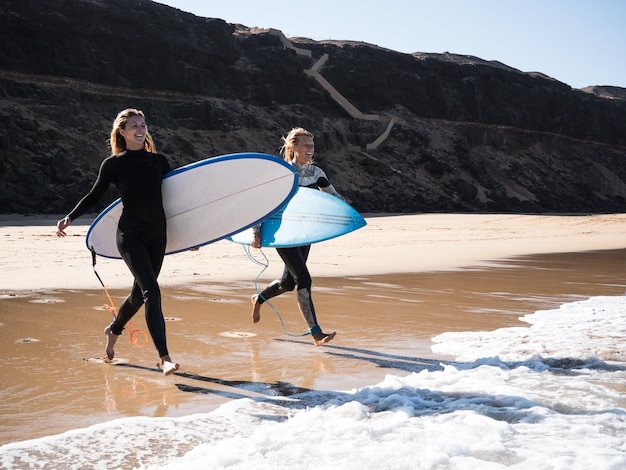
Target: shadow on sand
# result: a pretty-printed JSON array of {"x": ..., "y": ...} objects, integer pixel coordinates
[{"x": 419, "y": 402}]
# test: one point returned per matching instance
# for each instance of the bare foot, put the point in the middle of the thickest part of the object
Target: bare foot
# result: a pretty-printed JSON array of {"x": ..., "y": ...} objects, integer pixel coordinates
[
  {"x": 323, "y": 338},
  {"x": 256, "y": 309},
  {"x": 111, "y": 340},
  {"x": 168, "y": 366}
]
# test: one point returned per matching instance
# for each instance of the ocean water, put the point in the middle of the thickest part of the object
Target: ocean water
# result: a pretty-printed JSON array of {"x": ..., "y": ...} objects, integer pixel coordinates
[{"x": 549, "y": 393}]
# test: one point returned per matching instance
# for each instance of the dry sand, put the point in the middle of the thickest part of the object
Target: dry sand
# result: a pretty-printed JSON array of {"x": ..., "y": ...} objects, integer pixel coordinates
[{"x": 32, "y": 257}]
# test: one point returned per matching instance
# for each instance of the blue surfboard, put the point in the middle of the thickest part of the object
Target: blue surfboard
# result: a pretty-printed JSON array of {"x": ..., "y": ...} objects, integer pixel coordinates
[
  {"x": 208, "y": 200},
  {"x": 310, "y": 216}
]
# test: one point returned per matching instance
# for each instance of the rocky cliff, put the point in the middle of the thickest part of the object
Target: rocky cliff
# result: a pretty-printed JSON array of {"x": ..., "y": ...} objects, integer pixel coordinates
[{"x": 431, "y": 132}]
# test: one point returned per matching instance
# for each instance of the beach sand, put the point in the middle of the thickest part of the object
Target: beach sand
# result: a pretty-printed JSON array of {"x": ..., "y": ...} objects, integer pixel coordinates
[
  {"x": 386, "y": 289},
  {"x": 33, "y": 258}
]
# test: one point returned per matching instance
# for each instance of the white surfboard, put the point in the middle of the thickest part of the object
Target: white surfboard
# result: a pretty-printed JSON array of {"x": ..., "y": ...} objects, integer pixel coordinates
[
  {"x": 208, "y": 200},
  {"x": 310, "y": 216}
]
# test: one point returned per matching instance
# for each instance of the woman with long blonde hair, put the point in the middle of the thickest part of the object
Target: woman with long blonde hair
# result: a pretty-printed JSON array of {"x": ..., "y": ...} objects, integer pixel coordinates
[
  {"x": 297, "y": 149},
  {"x": 136, "y": 170}
]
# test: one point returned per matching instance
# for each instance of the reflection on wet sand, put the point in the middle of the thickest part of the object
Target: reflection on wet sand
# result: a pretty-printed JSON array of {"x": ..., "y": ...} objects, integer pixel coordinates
[{"x": 384, "y": 324}]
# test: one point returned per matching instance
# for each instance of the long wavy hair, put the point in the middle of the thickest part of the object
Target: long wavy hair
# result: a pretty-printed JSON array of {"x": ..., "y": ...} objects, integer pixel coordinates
[
  {"x": 290, "y": 141},
  {"x": 118, "y": 143}
]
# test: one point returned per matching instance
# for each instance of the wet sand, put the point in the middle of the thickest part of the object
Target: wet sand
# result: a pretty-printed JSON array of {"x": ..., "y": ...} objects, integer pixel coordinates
[{"x": 384, "y": 321}]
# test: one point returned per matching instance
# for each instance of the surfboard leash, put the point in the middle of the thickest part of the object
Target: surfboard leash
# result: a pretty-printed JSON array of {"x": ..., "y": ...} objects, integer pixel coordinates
[
  {"x": 264, "y": 266},
  {"x": 111, "y": 308}
]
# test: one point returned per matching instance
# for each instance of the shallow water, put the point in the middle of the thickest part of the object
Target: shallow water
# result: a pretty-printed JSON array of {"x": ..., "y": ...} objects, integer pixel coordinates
[{"x": 384, "y": 325}]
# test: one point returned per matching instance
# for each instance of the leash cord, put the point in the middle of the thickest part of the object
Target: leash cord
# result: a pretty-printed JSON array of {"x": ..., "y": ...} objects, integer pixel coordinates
[
  {"x": 265, "y": 264},
  {"x": 111, "y": 308}
]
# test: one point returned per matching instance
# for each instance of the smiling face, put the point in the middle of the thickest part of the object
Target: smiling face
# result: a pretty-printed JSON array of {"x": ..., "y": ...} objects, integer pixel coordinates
[
  {"x": 304, "y": 149},
  {"x": 134, "y": 132}
]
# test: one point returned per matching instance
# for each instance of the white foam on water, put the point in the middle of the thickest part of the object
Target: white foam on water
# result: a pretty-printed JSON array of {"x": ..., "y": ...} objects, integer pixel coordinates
[{"x": 548, "y": 396}]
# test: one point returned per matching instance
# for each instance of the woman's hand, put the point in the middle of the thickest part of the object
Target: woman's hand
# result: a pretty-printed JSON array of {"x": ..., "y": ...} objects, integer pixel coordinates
[
  {"x": 256, "y": 239},
  {"x": 62, "y": 225}
]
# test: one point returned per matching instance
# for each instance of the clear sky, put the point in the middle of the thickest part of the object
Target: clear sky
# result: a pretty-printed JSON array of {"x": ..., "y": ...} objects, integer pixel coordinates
[{"x": 578, "y": 42}]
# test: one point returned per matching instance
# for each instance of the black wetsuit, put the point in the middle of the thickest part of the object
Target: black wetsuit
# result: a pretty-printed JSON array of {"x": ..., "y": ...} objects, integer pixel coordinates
[
  {"x": 296, "y": 274},
  {"x": 141, "y": 232}
]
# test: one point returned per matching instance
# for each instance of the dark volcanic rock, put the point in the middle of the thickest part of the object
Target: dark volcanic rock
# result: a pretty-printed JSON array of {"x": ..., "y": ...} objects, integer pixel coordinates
[
  {"x": 470, "y": 135},
  {"x": 134, "y": 44},
  {"x": 465, "y": 88}
]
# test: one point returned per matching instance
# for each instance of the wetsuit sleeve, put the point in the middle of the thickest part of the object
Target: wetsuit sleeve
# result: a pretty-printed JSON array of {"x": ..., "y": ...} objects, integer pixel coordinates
[
  {"x": 105, "y": 178},
  {"x": 166, "y": 164},
  {"x": 324, "y": 185}
]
